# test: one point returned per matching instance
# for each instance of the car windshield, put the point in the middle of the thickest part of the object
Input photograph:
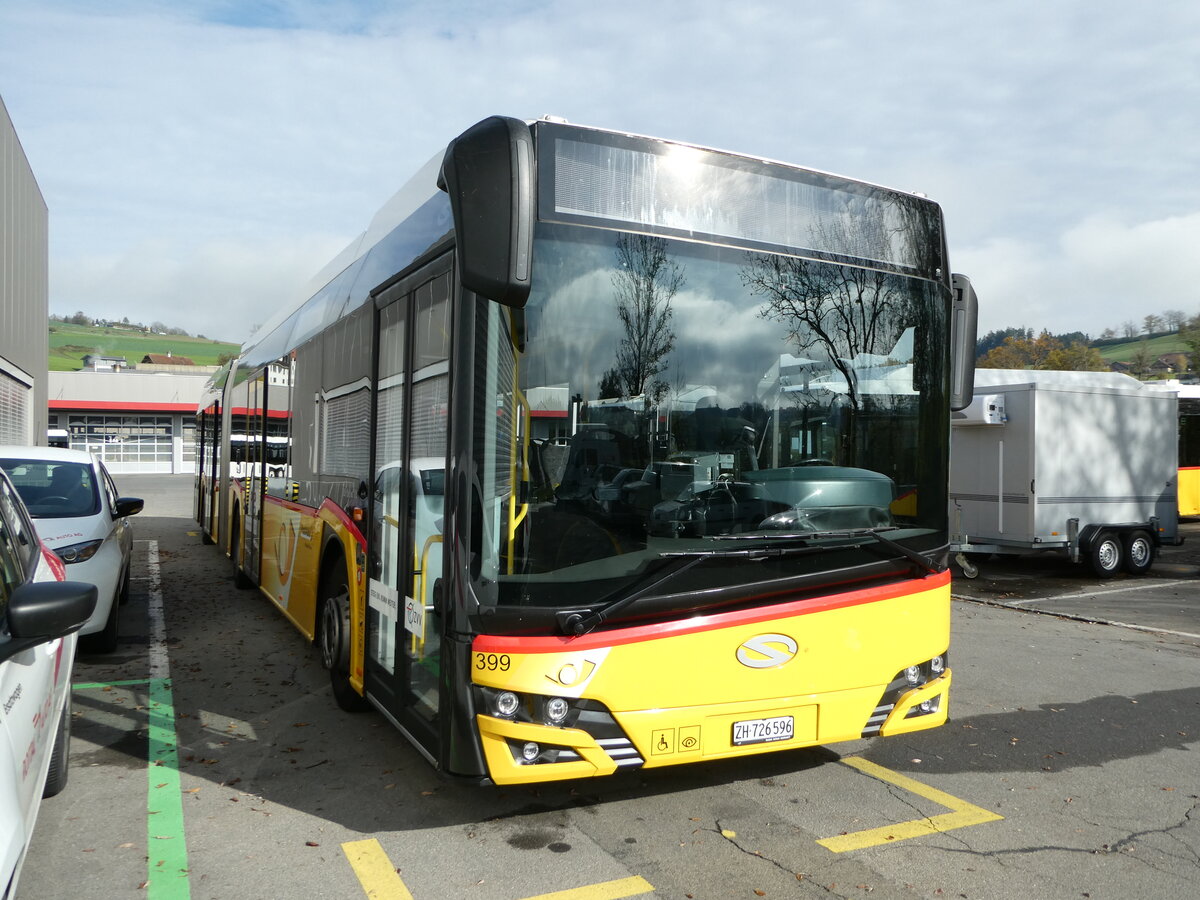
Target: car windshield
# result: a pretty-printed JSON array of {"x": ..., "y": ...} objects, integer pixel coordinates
[
  {"x": 54, "y": 489},
  {"x": 677, "y": 394}
]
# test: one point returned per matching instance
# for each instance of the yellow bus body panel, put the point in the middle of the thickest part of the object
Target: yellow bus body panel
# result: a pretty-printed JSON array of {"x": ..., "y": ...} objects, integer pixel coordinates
[
  {"x": 677, "y": 696},
  {"x": 290, "y": 558},
  {"x": 1189, "y": 491}
]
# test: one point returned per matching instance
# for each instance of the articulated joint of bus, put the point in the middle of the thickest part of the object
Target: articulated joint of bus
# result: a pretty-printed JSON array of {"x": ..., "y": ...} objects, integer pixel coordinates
[
  {"x": 552, "y": 738},
  {"x": 915, "y": 699}
]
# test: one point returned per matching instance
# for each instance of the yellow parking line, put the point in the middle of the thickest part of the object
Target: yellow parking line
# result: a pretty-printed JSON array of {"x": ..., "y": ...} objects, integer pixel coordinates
[
  {"x": 961, "y": 813},
  {"x": 606, "y": 890},
  {"x": 375, "y": 871}
]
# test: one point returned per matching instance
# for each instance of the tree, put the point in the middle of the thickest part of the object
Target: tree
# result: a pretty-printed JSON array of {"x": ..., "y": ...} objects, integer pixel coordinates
[
  {"x": 1175, "y": 319},
  {"x": 1078, "y": 356},
  {"x": 835, "y": 312},
  {"x": 1142, "y": 358},
  {"x": 1151, "y": 323},
  {"x": 994, "y": 339},
  {"x": 610, "y": 386},
  {"x": 1128, "y": 329},
  {"x": 645, "y": 281},
  {"x": 1022, "y": 353}
]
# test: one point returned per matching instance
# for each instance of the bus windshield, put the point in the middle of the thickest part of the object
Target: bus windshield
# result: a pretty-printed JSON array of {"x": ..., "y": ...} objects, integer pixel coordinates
[{"x": 669, "y": 395}]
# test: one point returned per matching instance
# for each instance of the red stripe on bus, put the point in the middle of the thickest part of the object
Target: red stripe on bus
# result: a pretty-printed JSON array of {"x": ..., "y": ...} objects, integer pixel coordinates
[{"x": 559, "y": 643}]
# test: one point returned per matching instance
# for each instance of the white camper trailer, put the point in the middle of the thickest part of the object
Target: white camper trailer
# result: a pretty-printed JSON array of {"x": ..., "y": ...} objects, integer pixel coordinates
[{"x": 1080, "y": 462}]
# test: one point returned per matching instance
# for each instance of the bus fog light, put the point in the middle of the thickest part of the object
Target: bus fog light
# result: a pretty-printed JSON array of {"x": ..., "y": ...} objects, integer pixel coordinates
[
  {"x": 530, "y": 751},
  {"x": 505, "y": 704},
  {"x": 937, "y": 665},
  {"x": 930, "y": 705},
  {"x": 913, "y": 674},
  {"x": 556, "y": 710}
]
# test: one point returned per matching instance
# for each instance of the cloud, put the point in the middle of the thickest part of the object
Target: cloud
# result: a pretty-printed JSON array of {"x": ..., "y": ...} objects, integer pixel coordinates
[
  {"x": 221, "y": 289},
  {"x": 233, "y": 132},
  {"x": 1097, "y": 274}
]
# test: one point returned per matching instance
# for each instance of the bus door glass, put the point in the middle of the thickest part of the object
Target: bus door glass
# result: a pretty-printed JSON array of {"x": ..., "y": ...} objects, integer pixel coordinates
[
  {"x": 403, "y": 624},
  {"x": 255, "y": 426}
]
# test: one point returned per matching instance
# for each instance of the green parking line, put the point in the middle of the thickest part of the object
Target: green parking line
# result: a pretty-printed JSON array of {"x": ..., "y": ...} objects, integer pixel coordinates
[
  {"x": 93, "y": 685},
  {"x": 167, "y": 865},
  {"x": 166, "y": 846}
]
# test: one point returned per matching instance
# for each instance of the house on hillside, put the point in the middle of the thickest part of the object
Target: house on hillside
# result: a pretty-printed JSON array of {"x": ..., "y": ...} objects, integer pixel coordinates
[
  {"x": 1170, "y": 363},
  {"x": 165, "y": 359},
  {"x": 95, "y": 362}
]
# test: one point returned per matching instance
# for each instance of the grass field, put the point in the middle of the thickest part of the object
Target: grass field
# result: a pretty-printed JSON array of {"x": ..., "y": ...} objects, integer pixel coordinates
[
  {"x": 70, "y": 343},
  {"x": 1167, "y": 343}
]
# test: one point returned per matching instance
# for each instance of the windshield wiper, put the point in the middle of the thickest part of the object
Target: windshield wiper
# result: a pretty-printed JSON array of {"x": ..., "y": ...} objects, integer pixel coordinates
[
  {"x": 805, "y": 539},
  {"x": 577, "y": 623},
  {"x": 777, "y": 545}
]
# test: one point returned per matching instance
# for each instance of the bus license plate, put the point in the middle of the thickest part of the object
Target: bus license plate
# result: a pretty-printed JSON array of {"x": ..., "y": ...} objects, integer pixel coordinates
[{"x": 758, "y": 731}]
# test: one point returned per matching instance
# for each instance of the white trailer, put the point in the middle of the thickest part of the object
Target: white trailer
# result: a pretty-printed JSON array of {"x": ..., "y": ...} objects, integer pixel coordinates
[{"x": 1080, "y": 462}]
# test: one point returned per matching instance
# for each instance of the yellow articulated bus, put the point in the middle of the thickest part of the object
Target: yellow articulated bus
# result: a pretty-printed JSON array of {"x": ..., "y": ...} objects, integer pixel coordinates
[{"x": 600, "y": 452}]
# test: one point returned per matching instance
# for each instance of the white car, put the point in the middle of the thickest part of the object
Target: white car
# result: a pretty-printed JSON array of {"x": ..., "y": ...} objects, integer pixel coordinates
[
  {"x": 78, "y": 514},
  {"x": 39, "y": 615}
]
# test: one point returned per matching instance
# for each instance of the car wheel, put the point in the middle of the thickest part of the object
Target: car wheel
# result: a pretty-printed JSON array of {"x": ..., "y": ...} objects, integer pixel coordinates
[
  {"x": 123, "y": 594},
  {"x": 105, "y": 640},
  {"x": 56, "y": 779}
]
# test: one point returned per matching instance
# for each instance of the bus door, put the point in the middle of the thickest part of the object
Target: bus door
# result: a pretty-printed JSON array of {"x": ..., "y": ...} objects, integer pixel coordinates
[
  {"x": 404, "y": 627},
  {"x": 253, "y": 483}
]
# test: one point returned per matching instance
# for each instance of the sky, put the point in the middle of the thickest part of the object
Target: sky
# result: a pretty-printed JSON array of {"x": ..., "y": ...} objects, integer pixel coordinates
[{"x": 201, "y": 161}]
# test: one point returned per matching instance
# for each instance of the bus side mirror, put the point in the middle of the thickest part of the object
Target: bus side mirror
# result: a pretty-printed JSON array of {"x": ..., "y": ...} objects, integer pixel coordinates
[
  {"x": 964, "y": 313},
  {"x": 488, "y": 171}
]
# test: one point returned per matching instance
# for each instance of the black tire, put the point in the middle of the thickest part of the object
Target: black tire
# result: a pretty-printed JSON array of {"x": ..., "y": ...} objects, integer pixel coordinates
[
  {"x": 1105, "y": 555},
  {"x": 123, "y": 591},
  {"x": 60, "y": 756},
  {"x": 104, "y": 640},
  {"x": 1138, "y": 552},
  {"x": 333, "y": 638}
]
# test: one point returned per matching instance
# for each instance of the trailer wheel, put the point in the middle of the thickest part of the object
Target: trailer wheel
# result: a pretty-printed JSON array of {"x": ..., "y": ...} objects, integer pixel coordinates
[
  {"x": 1139, "y": 552},
  {"x": 1105, "y": 555}
]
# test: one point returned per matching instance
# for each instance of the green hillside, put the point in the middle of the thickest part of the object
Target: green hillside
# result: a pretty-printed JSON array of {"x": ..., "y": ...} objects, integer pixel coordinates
[
  {"x": 70, "y": 343},
  {"x": 1163, "y": 343}
]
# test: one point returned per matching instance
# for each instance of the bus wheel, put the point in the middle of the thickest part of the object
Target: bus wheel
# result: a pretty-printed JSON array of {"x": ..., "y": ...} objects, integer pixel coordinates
[
  {"x": 334, "y": 641},
  {"x": 1105, "y": 555},
  {"x": 1139, "y": 552}
]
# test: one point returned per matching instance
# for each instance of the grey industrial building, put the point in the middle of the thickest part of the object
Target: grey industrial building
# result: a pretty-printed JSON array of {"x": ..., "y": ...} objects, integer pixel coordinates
[{"x": 24, "y": 294}]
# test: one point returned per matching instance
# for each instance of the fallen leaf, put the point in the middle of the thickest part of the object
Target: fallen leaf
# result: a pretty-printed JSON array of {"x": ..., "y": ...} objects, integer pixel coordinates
[
  {"x": 726, "y": 833},
  {"x": 311, "y": 844}
]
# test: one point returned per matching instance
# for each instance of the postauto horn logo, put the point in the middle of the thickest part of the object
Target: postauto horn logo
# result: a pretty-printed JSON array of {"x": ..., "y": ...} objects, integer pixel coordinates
[{"x": 767, "y": 651}]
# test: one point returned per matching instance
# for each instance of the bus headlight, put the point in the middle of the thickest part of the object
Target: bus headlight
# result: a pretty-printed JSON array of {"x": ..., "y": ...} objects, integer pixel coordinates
[
  {"x": 555, "y": 710},
  {"x": 505, "y": 704},
  {"x": 913, "y": 675}
]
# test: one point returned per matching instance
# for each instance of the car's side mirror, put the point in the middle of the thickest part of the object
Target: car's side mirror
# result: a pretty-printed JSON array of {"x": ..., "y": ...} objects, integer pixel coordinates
[
  {"x": 128, "y": 506},
  {"x": 46, "y": 610}
]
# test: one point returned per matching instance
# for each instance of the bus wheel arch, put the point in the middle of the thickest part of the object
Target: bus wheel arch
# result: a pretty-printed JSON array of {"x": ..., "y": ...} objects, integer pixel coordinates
[{"x": 333, "y": 628}]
